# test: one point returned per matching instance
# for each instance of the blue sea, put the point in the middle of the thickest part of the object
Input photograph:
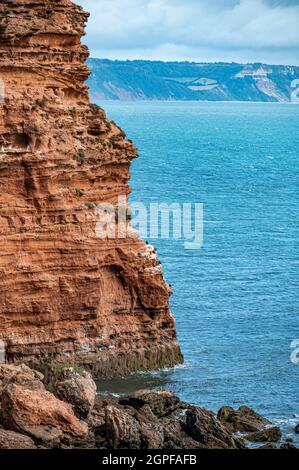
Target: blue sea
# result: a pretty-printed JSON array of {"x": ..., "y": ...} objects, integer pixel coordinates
[{"x": 236, "y": 299}]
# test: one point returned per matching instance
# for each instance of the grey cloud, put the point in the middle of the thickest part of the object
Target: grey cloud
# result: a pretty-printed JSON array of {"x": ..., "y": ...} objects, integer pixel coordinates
[{"x": 282, "y": 3}]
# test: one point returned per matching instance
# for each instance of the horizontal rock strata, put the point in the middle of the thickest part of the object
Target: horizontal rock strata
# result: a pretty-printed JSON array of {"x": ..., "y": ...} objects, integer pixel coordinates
[{"x": 66, "y": 295}]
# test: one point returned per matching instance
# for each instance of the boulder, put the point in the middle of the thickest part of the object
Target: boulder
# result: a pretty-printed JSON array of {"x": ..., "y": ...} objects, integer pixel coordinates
[
  {"x": 75, "y": 386},
  {"x": 162, "y": 403},
  {"x": 40, "y": 414},
  {"x": 205, "y": 428},
  {"x": 122, "y": 430},
  {"x": 20, "y": 375},
  {"x": 176, "y": 438},
  {"x": 14, "y": 440},
  {"x": 270, "y": 445},
  {"x": 288, "y": 445},
  {"x": 267, "y": 435},
  {"x": 97, "y": 419},
  {"x": 244, "y": 419}
]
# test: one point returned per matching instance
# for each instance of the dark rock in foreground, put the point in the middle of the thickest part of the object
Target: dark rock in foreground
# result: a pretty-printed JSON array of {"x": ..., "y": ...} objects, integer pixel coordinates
[
  {"x": 20, "y": 375},
  {"x": 14, "y": 440},
  {"x": 75, "y": 386},
  {"x": 62, "y": 411},
  {"x": 287, "y": 445},
  {"x": 40, "y": 415},
  {"x": 204, "y": 427},
  {"x": 162, "y": 403},
  {"x": 242, "y": 420},
  {"x": 269, "y": 445},
  {"x": 267, "y": 435}
]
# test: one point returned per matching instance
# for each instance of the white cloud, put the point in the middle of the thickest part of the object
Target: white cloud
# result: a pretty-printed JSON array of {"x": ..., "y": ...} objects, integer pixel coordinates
[{"x": 244, "y": 30}]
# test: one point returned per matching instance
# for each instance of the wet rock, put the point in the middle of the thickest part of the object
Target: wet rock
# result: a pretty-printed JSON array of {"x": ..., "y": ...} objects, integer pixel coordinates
[
  {"x": 270, "y": 435},
  {"x": 297, "y": 429},
  {"x": 75, "y": 386},
  {"x": 162, "y": 403},
  {"x": 14, "y": 440},
  {"x": 244, "y": 419},
  {"x": 270, "y": 445},
  {"x": 205, "y": 428},
  {"x": 20, "y": 375},
  {"x": 287, "y": 445},
  {"x": 40, "y": 414},
  {"x": 122, "y": 430}
]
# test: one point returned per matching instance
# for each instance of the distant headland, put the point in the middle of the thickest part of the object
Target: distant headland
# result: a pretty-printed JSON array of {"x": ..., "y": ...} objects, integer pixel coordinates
[{"x": 157, "y": 80}]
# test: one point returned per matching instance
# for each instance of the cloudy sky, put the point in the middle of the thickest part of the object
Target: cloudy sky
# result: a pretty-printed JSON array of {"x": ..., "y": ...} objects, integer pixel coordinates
[{"x": 201, "y": 30}]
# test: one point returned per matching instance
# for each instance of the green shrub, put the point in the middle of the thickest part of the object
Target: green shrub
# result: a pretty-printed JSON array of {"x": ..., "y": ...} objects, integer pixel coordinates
[
  {"x": 80, "y": 158},
  {"x": 43, "y": 102},
  {"x": 79, "y": 192}
]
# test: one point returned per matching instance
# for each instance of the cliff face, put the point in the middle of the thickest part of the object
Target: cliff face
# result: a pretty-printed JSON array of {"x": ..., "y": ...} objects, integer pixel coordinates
[
  {"x": 65, "y": 294},
  {"x": 155, "y": 80}
]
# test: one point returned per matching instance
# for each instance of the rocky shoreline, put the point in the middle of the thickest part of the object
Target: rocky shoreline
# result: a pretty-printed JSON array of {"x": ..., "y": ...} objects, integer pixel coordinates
[{"x": 61, "y": 409}]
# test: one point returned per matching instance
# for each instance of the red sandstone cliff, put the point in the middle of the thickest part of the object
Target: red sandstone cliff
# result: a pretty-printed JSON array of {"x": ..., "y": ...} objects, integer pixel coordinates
[{"x": 66, "y": 295}]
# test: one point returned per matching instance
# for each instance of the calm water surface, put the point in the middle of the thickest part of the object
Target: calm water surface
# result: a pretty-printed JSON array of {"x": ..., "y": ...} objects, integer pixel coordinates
[{"x": 236, "y": 299}]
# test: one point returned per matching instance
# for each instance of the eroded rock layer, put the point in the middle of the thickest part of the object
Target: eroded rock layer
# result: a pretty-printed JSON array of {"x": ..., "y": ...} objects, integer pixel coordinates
[{"x": 67, "y": 295}]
